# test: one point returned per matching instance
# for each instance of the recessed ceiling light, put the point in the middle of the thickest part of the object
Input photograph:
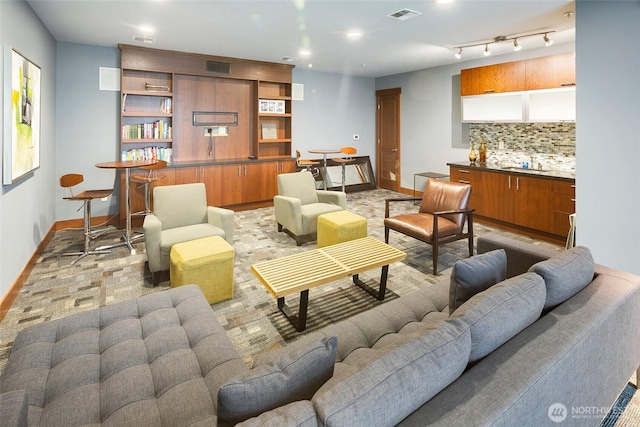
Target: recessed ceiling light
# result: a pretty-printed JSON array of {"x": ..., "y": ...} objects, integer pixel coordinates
[
  {"x": 304, "y": 52},
  {"x": 443, "y": 1},
  {"x": 146, "y": 29},
  {"x": 354, "y": 34},
  {"x": 309, "y": 65}
]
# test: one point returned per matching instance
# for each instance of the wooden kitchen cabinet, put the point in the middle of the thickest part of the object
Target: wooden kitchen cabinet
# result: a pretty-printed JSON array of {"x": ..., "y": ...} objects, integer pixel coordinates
[
  {"x": 252, "y": 182},
  {"x": 521, "y": 200},
  {"x": 210, "y": 175},
  {"x": 564, "y": 204},
  {"x": 550, "y": 72},
  {"x": 497, "y": 78},
  {"x": 473, "y": 177}
]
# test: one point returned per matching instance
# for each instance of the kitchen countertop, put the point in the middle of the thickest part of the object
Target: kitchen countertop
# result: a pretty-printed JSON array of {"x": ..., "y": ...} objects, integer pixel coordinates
[{"x": 505, "y": 168}]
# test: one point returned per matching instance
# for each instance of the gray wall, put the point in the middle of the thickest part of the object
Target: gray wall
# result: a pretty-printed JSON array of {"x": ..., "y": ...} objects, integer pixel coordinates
[
  {"x": 334, "y": 108},
  {"x": 608, "y": 131},
  {"x": 27, "y": 207},
  {"x": 87, "y": 124}
]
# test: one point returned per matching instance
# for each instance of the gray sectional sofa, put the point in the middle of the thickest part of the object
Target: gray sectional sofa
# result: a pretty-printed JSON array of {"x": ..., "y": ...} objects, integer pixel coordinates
[{"x": 518, "y": 336}]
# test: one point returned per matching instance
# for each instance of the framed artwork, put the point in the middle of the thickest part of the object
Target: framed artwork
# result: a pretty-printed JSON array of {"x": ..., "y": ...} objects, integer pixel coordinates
[
  {"x": 22, "y": 107},
  {"x": 271, "y": 106}
]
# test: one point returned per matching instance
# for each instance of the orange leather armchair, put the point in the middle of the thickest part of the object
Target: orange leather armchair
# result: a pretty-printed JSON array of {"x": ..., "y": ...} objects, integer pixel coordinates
[{"x": 440, "y": 219}]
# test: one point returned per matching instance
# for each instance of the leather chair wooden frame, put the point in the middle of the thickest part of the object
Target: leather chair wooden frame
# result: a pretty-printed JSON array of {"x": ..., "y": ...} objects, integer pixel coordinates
[{"x": 441, "y": 217}]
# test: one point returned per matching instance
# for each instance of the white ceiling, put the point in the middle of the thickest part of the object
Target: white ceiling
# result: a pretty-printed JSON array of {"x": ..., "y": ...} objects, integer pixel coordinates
[{"x": 268, "y": 30}]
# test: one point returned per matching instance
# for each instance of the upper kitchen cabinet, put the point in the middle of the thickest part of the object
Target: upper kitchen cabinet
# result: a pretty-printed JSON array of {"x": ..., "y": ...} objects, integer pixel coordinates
[
  {"x": 498, "y": 78},
  {"x": 550, "y": 72}
]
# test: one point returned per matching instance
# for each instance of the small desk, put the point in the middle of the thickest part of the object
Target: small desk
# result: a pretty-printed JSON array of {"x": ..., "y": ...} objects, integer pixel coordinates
[
  {"x": 427, "y": 175},
  {"x": 303, "y": 271},
  {"x": 324, "y": 156},
  {"x": 127, "y": 165}
]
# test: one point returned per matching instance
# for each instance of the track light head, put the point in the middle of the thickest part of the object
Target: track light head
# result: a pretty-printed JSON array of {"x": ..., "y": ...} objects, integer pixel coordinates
[
  {"x": 459, "y": 53},
  {"x": 516, "y": 46},
  {"x": 547, "y": 40},
  {"x": 487, "y": 52}
]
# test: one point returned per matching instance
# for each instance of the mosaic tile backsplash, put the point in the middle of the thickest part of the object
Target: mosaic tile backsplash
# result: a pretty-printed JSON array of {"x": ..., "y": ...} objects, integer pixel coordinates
[{"x": 551, "y": 144}]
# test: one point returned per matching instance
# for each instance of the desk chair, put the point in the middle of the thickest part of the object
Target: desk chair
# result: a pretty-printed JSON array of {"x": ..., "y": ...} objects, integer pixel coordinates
[
  {"x": 344, "y": 161},
  {"x": 68, "y": 181},
  {"x": 145, "y": 180}
]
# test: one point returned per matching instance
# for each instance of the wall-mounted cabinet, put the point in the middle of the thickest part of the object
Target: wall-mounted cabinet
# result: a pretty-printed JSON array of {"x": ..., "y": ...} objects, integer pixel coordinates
[
  {"x": 497, "y": 78},
  {"x": 532, "y": 90}
]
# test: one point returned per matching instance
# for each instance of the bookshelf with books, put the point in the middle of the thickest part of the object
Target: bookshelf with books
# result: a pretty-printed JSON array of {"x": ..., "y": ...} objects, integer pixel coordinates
[
  {"x": 146, "y": 115},
  {"x": 274, "y": 119}
]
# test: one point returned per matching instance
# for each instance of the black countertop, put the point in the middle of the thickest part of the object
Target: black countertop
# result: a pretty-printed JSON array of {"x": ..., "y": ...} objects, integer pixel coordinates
[{"x": 504, "y": 168}]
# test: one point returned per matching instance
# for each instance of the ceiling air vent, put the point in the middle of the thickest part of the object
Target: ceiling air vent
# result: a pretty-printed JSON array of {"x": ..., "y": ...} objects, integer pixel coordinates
[
  {"x": 144, "y": 39},
  {"x": 404, "y": 14}
]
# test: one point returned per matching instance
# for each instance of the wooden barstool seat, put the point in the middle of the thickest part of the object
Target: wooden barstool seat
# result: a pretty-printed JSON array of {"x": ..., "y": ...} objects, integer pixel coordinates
[
  {"x": 145, "y": 180},
  {"x": 68, "y": 181}
]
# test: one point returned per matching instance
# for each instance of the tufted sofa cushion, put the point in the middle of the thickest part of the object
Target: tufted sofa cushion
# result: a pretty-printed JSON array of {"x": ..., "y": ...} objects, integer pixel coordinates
[{"x": 158, "y": 359}]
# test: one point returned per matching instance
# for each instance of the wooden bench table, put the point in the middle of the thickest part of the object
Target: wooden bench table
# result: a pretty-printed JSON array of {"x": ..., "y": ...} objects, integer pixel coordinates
[{"x": 303, "y": 271}]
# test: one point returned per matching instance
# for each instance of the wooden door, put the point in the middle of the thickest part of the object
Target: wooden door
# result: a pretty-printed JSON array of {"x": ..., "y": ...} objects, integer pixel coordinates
[
  {"x": 533, "y": 203},
  {"x": 259, "y": 181},
  {"x": 211, "y": 176},
  {"x": 498, "y": 196},
  {"x": 388, "y": 138}
]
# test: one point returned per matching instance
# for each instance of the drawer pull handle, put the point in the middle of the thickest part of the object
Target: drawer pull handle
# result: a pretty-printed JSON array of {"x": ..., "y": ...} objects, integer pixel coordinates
[
  {"x": 489, "y": 90},
  {"x": 463, "y": 171},
  {"x": 573, "y": 186},
  {"x": 463, "y": 181}
]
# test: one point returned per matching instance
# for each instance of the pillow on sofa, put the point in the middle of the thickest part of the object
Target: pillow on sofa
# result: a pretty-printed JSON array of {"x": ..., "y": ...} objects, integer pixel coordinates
[
  {"x": 499, "y": 313},
  {"x": 296, "y": 376},
  {"x": 476, "y": 274},
  {"x": 565, "y": 274},
  {"x": 390, "y": 387}
]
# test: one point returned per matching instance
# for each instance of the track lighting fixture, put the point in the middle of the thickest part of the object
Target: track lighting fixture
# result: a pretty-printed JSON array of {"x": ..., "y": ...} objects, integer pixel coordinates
[
  {"x": 516, "y": 46},
  {"x": 500, "y": 39}
]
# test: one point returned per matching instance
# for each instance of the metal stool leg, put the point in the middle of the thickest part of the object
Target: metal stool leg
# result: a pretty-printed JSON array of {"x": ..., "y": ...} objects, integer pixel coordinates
[{"x": 87, "y": 236}]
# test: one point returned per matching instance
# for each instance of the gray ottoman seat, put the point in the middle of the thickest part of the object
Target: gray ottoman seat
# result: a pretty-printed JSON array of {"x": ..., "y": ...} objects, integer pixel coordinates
[{"x": 155, "y": 360}]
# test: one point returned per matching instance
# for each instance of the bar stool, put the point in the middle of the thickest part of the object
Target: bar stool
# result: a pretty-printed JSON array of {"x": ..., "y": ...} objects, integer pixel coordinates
[
  {"x": 145, "y": 180},
  {"x": 69, "y": 180},
  {"x": 571, "y": 237},
  {"x": 344, "y": 161}
]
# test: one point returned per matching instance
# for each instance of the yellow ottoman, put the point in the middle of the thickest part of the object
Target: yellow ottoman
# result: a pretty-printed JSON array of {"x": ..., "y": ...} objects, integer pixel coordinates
[
  {"x": 340, "y": 226},
  {"x": 206, "y": 262}
]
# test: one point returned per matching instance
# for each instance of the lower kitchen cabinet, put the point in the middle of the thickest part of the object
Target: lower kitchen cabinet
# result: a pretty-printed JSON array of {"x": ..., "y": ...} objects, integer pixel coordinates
[
  {"x": 564, "y": 204},
  {"x": 520, "y": 200},
  {"x": 474, "y": 178},
  {"x": 208, "y": 175}
]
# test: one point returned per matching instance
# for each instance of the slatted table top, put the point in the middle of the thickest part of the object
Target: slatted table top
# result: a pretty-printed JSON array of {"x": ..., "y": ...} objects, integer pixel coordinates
[{"x": 299, "y": 272}]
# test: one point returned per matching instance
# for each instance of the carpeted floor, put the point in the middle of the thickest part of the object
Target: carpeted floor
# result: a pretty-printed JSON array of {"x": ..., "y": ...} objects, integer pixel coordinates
[{"x": 254, "y": 324}]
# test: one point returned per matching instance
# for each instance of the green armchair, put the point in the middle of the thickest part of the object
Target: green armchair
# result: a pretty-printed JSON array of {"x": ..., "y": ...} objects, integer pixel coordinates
[
  {"x": 298, "y": 205},
  {"x": 181, "y": 214}
]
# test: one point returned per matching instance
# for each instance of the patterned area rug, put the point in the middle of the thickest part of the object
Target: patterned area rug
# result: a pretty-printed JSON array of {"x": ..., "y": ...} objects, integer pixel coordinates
[{"x": 252, "y": 320}]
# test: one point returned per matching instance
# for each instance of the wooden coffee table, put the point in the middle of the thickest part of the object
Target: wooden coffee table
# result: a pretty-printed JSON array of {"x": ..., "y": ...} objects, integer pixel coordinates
[{"x": 301, "y": 272}]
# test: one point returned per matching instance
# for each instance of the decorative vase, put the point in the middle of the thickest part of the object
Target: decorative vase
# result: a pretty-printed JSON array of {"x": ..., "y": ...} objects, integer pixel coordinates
[
  {"x": 472, "y": 153},
  {"x": 482, "y": 151}
]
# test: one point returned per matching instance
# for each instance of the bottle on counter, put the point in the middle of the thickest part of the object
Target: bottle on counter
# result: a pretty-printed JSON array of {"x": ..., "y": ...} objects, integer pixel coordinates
[
  {"x": 482, "y": 151},
  {"x": 472, "y": 153}
]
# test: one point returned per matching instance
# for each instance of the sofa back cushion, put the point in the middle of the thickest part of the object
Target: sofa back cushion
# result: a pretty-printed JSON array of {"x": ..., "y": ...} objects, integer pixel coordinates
[
  {"x": 500, "y": 312},
  {"x": 476, "y": 274},
  {"x": 295, "y": 376},
  {"x": 389, "y": 388},
  {"x": 565, "y": 274}
]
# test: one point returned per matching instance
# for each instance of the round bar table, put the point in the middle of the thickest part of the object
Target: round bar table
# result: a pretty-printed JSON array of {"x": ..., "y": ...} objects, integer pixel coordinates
[
  {"x": 324, "y": 157},
  {"x": 127, "y": 165}
]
